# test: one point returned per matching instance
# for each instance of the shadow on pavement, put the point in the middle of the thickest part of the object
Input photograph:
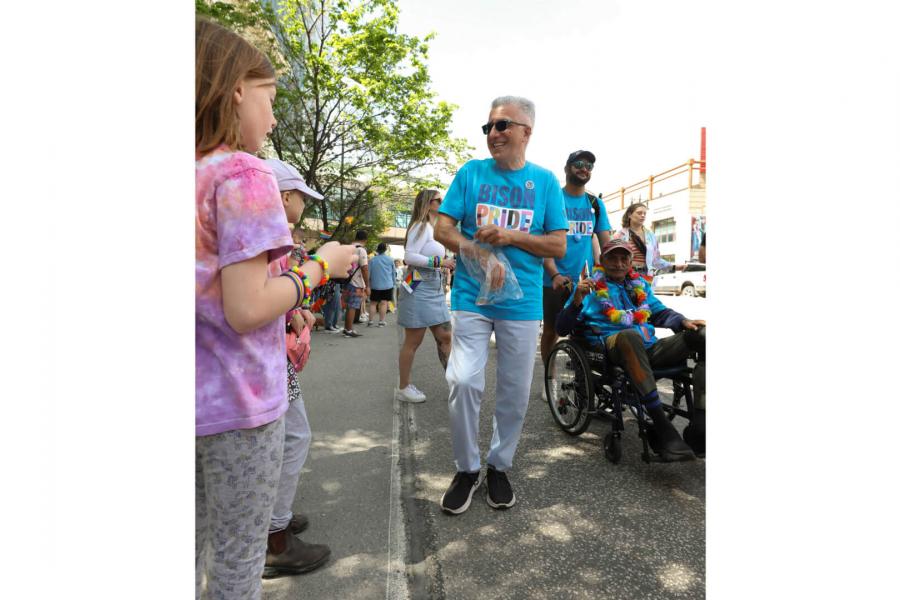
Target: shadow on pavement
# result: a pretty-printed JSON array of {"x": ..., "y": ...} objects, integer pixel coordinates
[{"x": 581, "y": 528}]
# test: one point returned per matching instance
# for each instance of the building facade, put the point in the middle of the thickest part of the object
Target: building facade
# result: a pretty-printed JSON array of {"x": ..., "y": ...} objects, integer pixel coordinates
[{"x": 676, "y": 208}]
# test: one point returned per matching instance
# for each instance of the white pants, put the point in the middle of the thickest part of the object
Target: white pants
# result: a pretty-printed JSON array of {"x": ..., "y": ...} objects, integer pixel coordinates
[
  {"x": 516, "y": 347},
  {"x": 297, "y": 437}
]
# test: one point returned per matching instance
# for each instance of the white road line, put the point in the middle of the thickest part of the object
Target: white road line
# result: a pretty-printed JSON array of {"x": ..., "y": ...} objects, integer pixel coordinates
[{"x": 397, "y": 585}]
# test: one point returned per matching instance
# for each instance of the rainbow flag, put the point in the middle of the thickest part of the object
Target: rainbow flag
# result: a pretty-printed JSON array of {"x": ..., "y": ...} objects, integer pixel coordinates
[{"x": 412, "y": 279}]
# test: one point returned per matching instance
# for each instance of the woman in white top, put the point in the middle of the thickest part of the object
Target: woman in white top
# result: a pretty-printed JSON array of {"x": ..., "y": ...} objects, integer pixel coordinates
[
  {"x": 421, "y": 303},
  {"x": 643, "y": 244}
]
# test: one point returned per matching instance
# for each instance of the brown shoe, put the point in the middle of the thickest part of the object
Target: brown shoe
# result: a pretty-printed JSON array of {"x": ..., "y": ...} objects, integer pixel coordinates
[
  {"x": 298, "y": 523},
  {"x": 287, "y": 555}
]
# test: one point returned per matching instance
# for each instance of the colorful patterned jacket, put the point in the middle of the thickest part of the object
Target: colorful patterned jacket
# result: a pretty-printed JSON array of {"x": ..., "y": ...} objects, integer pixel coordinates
[{"x": 589, "y": 322}]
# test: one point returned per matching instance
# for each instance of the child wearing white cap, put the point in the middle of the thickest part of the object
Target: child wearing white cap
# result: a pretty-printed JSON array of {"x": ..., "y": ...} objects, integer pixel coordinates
[{"x": 285, "y": 553}]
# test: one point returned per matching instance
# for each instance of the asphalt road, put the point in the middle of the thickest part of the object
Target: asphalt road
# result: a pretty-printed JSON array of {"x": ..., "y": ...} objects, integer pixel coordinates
[{"x": 582, "y": 527}]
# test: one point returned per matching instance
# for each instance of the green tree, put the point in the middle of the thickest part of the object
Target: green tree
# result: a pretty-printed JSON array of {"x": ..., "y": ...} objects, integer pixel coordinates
[
  {"x": 250, "y": 18},
  {"x": 356, "y": 114}
]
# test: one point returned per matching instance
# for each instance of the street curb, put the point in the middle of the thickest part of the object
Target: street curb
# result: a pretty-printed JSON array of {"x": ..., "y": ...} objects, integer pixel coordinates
[{"x": 423, "y": 573}]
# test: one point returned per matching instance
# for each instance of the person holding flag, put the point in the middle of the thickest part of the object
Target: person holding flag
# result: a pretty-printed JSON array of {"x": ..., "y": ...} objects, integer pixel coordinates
[{"x": 615, "y": 307}]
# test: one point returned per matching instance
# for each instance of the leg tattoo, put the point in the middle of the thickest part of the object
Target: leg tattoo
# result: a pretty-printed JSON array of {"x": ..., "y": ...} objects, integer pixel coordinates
[{"x": 443, "y": 355}]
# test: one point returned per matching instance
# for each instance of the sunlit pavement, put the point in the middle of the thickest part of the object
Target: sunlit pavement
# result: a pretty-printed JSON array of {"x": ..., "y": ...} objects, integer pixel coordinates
[{"x": 582, "y": 527}]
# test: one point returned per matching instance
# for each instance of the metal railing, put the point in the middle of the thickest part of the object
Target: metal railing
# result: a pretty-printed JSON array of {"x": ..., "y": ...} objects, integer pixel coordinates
[{"x": 689, "y": 167}]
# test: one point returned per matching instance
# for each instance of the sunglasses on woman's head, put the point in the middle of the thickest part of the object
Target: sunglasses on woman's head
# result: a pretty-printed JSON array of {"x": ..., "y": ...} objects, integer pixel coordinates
[{"x": 501, "y": 125}]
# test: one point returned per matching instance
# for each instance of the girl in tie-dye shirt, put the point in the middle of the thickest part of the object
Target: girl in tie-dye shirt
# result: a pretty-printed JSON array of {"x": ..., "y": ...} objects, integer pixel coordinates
[{"x": 241, "y": 234}]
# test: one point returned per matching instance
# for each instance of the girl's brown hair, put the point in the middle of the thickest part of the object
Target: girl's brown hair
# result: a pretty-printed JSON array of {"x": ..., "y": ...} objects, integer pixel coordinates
[
  {"x": 421, "y": 210},
  {"x": 223, "y": 59},
  {"x": 626, "y": 218}
]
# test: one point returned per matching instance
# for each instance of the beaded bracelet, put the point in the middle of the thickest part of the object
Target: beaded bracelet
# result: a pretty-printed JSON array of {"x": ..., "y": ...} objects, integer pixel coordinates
[
  {"x": 307, "y": 286},
  {"x": 324, "y": 264},
  {"x": 297, "y": 283}
]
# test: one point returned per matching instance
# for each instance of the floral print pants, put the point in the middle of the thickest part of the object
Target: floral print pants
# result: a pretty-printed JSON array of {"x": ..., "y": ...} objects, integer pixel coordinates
[{"x": 237, "y": 474}]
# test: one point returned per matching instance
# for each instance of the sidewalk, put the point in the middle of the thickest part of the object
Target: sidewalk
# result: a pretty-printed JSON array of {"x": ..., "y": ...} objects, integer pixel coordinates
[
  {"x": 582, "y": 527},
  {"x": 345, "y": 486}
]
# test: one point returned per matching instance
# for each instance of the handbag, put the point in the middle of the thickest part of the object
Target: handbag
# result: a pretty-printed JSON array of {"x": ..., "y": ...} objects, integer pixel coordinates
[{"x": 298, "y": 348}]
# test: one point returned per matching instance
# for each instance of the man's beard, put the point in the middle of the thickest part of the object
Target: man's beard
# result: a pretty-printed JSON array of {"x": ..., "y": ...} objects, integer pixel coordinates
[{"x": 573, "y": 179}]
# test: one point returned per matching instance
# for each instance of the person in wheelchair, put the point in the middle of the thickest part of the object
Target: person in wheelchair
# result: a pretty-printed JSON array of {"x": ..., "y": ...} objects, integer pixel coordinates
[{"x": 616, "y": 307}]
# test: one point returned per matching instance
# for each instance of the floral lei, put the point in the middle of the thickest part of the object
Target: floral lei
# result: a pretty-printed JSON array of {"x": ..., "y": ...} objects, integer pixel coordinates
[{"x": 634, "y": 287}]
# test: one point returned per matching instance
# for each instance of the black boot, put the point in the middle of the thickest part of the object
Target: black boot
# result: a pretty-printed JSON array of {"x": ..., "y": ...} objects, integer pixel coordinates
[
  {"x": 695, "y": 433},
  {"x": 665, "y": 439},
  {"x": 286, "y": 554}
]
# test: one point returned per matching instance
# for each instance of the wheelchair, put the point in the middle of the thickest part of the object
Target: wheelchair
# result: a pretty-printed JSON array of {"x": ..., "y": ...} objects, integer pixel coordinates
[{"x": 582, "y": 384}]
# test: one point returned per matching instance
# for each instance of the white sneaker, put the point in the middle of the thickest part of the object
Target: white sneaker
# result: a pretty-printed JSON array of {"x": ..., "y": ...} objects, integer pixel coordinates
[
  {"x": 409, "y": 394},
  {"x": 363, "y": 317},
  {"x": 417, "y": 390}
]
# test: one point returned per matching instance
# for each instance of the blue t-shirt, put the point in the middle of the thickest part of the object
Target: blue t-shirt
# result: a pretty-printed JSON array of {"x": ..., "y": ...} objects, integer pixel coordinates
[
  {"x": 381, "y": 272},
  {"x": 528, "y": 199},
  {"x": 582, "y": 225}
]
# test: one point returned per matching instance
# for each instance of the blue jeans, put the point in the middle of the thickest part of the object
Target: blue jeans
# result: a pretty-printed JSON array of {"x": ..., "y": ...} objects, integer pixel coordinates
[{"x": 331, "y": 312}]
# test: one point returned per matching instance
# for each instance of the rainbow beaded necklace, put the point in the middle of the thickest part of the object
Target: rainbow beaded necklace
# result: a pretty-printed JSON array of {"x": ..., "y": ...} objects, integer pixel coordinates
[{"x": 634, "y": 287}]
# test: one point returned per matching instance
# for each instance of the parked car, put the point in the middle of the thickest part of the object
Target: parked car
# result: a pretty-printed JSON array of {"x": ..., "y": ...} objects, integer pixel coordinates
[{"x": 687, "y": 280}]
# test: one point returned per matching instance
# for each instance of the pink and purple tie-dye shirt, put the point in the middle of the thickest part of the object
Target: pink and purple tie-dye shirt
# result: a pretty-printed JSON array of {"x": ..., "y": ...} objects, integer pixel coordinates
[{"x": 240, "y": 378}]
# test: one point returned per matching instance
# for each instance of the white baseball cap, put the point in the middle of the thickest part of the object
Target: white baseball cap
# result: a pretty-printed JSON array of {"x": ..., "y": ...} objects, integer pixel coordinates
[{"x": 290, "y": 179}]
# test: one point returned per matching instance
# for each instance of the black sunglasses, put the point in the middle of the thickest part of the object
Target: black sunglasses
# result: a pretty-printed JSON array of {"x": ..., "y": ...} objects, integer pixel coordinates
[
  {"x": 501, "y": 125},
  {"x": 583, "y": 164}
]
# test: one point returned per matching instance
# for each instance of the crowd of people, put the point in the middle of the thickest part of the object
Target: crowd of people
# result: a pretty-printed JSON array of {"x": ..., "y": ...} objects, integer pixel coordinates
[{"x": 504, "y": 223}]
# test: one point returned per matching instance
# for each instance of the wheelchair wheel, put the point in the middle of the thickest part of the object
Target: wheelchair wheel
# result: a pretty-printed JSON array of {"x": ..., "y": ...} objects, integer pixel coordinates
[
  {"x": 567, "y": 381},
  {"x": 612, "y": 447},
  {"x": 679, "y": 397}
]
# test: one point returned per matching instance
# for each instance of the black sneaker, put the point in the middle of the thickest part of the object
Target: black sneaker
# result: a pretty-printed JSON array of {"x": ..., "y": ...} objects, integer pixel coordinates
[
  {"x": 458, "y": 496},
  {"x": 500, "y": 493},
  {"x": 349, "y": 333},
  {"x": 665, "y": 441}
]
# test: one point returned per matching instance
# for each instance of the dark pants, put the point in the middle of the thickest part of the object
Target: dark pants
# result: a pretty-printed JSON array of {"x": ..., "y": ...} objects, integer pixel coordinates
[
  {"x": 626, "y": 349},
  {"x": 331, "y": 311}
]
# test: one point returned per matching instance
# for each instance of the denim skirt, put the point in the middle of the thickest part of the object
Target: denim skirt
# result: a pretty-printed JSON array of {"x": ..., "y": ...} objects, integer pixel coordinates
[{"x": 426, "y": 306}]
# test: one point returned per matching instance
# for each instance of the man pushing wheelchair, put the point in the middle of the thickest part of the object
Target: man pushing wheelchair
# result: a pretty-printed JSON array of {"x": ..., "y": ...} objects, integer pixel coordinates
[{"x": 614, "y": 306}]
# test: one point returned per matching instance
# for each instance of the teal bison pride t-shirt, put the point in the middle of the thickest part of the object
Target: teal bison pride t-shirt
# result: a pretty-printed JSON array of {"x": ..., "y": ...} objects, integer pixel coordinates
[
  {"x": 583, "y": 223},
  {"x": 528, "y": 199}
]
